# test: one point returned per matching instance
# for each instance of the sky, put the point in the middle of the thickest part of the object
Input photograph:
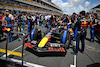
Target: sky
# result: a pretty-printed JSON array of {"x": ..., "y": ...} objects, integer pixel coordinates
[{"x": 70, "y": 6}]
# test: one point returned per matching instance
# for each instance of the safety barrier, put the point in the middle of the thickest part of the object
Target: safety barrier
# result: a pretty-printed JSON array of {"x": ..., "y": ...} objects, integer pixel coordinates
[{"x": 22, "y": 46}]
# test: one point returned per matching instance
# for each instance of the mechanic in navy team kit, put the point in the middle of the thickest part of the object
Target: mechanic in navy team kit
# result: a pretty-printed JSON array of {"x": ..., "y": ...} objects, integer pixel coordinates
[
  {"x": 74, "y": 19},
  {"x": 81, "y": 31},
  {"x": 93, "y": 23}
]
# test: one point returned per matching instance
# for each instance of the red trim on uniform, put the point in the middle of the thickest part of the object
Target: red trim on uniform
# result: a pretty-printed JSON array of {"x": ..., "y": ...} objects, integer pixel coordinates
[
  {"x": 97, "y": 29},
  {"x": 85, "y": 22},
  {"x": 84, "y": 25},
  {"x": 91, "y": 24}
]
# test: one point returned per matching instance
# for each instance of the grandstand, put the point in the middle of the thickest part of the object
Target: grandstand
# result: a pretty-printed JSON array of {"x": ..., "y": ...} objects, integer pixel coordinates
[
  {"x": 31, "y": 6},
  {"x": 95, "y": 9}
]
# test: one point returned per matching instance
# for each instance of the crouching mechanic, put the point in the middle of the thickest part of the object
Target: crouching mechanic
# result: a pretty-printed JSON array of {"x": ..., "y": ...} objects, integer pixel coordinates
[
  {"x": 82, "y": 28},
  {"x": 93, "y": 23}
]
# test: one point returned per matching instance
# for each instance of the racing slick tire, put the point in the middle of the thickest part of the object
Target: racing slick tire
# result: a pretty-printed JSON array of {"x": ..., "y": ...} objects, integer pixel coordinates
[
  {"x": 67, "y": 44},
  {"x": 64, "y": 36},
  {"x": 35, "y": 34}
]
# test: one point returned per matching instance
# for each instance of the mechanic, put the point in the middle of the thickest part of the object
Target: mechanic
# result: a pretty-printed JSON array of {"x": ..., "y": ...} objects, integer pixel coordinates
[
  {"x": 88, "y": 17},
  {"x": 75, "y": 28},
  {"x": 92, "y": 26},
  {"x": 74, "y": 19},
  {"x": 82, "y": 28},
  {"x": 29, "y": 20},
  {"x": 67, "y": 20}
]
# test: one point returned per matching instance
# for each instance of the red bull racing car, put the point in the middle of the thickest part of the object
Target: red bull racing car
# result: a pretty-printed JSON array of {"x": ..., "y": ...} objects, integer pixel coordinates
[{"x": 52, "y": 42}]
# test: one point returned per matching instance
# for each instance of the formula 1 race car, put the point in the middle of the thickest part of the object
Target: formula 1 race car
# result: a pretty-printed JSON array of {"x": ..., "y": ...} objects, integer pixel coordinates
[{"x": 52, "y": 42}]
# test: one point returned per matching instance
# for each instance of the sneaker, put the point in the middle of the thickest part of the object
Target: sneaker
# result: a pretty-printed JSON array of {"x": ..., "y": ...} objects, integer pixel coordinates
[
  {"x": 82, "y": 52},
  {"x": 74, "y": 53}
]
